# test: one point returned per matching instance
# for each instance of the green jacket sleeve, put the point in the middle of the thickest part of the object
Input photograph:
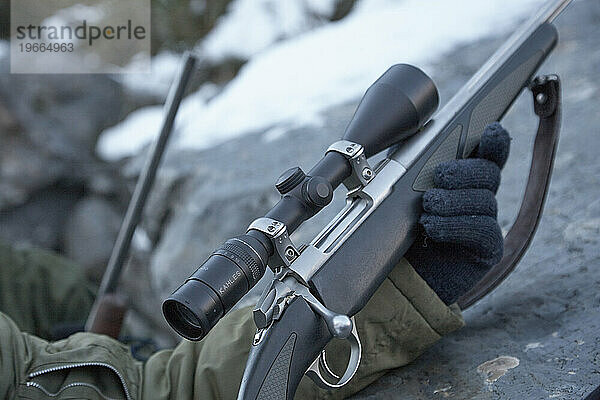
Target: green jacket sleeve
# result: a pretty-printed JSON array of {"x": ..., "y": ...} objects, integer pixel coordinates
[{"x": 39, "y": 289}]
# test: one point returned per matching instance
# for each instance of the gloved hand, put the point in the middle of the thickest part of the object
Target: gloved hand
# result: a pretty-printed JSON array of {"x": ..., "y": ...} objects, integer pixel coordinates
[{"x": 459, "y": 238}]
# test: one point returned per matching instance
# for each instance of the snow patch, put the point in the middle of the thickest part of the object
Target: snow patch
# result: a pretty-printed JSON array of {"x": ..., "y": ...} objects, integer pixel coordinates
[
  {"x": 534, "y": 345},
  {"x": 75, "y": 14},
  {"x": 298, "y": 78},
  {"x": 274, "y": 133},
  {"x": 164, "y": 67},
  {"x": 494, "y": 369},
  {"x": 141, "y": 240},
  {"x": 141, "y": 126},
  {"x": 72, "y": 16},
  {"x": 251, "y": 26}
]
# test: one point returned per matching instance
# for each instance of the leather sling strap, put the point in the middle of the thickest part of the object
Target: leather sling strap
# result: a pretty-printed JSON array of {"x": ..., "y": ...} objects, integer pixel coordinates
[{"x": 546, "y": 100}]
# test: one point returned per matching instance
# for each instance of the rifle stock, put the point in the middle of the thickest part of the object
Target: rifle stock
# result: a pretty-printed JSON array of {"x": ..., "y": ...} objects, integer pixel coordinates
[
  {"x": 109, "y": 315},
  {"x": 395, "y": 218},
  {"x": 279, "y": 361}
]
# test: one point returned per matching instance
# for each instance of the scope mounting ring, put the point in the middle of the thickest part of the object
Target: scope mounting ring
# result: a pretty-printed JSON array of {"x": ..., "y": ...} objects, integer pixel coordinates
[
  {"x": 284, "y": 250},
  {"x": 362, "y": 173}
]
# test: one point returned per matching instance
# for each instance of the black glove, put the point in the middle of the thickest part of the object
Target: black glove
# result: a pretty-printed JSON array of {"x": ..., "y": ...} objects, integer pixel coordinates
[{"x": 460, "y": 239}]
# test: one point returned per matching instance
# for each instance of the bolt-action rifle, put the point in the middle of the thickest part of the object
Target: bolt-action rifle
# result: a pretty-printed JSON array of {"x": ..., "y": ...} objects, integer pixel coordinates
[{"x": 319, "y": 287}]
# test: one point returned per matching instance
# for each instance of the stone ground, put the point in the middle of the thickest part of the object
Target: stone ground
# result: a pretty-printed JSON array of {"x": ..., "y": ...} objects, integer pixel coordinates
[{"x": 546, "y": 315}]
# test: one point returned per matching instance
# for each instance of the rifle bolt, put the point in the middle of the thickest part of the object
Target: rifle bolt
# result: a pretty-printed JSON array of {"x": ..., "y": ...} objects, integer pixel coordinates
[
  {"x": 541, "y": 98},
  {"x": 342, "y": 326}
]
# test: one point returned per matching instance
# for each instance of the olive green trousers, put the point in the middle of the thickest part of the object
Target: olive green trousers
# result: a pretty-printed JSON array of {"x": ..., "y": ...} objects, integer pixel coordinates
[{"x": 39, "y": 289}]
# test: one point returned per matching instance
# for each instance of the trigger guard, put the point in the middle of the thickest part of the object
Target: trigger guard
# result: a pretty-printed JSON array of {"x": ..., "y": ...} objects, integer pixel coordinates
[{"x": 321, "y": 374}]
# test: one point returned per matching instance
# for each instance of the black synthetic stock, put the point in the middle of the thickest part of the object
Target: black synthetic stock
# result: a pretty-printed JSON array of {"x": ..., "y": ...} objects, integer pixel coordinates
[{"x": 276, "y": 365}]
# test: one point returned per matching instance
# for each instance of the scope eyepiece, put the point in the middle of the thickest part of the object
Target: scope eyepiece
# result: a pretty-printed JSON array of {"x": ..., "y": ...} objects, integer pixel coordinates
[{"x": 216, "y": 286}]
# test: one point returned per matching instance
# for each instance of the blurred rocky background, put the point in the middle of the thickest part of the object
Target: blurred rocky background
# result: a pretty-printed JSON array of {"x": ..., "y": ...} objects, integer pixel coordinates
[{"x": 71, "y": 148}]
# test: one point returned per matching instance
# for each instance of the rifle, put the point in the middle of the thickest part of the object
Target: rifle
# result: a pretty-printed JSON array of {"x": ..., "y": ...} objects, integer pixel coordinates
[
  {"x": 319, "y": 287},
  {"x": 108, "y": 311}
]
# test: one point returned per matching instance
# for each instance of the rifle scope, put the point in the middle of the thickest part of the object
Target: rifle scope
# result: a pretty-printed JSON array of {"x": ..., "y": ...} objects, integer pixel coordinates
[{"x": 392, "y": 109}]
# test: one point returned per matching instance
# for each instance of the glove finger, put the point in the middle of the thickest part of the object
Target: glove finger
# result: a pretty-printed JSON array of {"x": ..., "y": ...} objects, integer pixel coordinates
[
  {"x": 479, "y": 233},
  {"x": 471, "y": 173},
  {"x": 450, "y": 203},
  {"x": 494, "y": 144}
]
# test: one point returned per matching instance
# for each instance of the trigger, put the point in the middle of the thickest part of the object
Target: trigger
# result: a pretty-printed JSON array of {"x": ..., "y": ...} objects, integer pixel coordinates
[
  {"x": 324, "y": 377},
  {"x": 323, "y": 364}
]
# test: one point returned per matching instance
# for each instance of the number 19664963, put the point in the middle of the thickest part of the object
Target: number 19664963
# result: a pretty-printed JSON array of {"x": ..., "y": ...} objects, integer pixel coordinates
[{"x": 46, "y": 47}]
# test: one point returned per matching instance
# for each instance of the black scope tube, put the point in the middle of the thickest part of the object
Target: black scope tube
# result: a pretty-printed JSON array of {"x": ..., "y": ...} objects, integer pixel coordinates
[
  {"x": 293, "y": 209},
  {"x": 233, "y": 269}
]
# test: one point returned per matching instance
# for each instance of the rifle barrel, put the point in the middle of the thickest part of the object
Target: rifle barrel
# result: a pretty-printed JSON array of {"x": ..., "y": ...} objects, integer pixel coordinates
[{"x": 144, "y": 185}]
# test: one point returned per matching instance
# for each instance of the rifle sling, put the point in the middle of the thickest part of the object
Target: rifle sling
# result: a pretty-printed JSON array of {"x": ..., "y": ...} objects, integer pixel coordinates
[{"x": 546, "y": 99}]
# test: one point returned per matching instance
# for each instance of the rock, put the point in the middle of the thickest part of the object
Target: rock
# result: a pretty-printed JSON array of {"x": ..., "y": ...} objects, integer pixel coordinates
[
  {"x": 58, "y": 112},
  {"x": 181, "y": 23},
  {"x": 48, "y": 129},
  {"x": 40, "y": 222},
  {"x": 23, "y": 170},
  {"x": 90, "y": 234},
  {"x": 581, "y": 233}
]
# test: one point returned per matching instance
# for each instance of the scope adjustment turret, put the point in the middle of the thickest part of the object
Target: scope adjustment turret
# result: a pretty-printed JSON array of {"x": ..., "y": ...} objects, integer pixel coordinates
[{"x": 289, "y": 180}]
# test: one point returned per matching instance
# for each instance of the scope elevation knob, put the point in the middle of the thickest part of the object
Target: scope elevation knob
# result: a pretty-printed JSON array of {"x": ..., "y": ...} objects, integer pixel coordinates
[{"x": 290, "y": 179}]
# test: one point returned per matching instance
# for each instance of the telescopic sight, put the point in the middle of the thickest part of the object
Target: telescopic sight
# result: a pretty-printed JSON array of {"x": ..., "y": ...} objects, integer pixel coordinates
[{"x": 392, "y": 109}]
